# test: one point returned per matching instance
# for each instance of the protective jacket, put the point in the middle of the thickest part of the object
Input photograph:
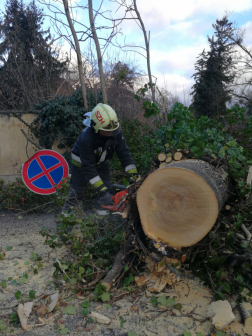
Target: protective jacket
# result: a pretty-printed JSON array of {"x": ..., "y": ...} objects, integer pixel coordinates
[{"x": 91, "y": 151}]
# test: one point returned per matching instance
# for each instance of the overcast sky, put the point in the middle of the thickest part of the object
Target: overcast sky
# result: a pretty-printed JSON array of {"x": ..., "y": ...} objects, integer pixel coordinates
[{"x": 178, "y": 33}]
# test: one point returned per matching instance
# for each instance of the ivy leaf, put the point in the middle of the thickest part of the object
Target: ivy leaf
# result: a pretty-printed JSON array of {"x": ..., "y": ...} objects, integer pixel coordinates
[
  {"x": 105, "y": 297},
  {"x": 27, "y": 263},
  {"x": 3, "y": 326},
  {"x": 18, "y": 295},
  {"x": 64, "y": 331},
  {"x": 84, "y": 312},
  {"x": 132, "y": 333},
  {"x": 86, "y": 304},
  {"x": 34, "y": 256},
  {"x": 178, "y": 306},
  {"x": 21, "y": 280},
  {"x": 8, "y": 248},
  {"x": 186, "y": 333},
  {"x": 125, "y": 182},
  {"x": 162, "y": 300},
  {"x": 32, "y": 294},
  {"x": 199, "y": 334},
  {"x": 127, "y": 280},
  {"x": 170, "y": 302},
  {"x": 220, "y": 333},
  {"x": 153, "y": 301},
  {"x": 212, "y": 234},
  {"x": 70, "y": 310},
  {"x": 3, "y": 284},
  {"x": 81, "y": 270}
]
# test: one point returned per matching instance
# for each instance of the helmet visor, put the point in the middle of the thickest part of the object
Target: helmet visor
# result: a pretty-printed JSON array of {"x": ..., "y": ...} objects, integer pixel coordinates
[{"x": 113, "y": 125}]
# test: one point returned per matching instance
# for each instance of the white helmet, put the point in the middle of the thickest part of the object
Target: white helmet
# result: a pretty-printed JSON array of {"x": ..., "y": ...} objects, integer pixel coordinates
[{"x": 104, "y": 118}]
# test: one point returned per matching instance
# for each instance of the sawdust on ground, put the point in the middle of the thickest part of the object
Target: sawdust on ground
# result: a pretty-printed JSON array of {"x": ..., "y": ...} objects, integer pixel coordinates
[{"x": 137, "y": 312}]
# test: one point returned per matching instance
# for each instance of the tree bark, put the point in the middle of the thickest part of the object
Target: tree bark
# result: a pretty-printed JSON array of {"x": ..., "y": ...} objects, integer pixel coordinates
[
  {"x": 147, "y": 45},
  {"x": 98, "y": 50},
  {"x": 78, "y": 52}
]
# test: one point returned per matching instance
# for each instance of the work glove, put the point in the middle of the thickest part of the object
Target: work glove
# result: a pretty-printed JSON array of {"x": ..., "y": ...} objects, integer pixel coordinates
[
  {"x": 105, "y": 198},
  {"x": 132, "y": 175}
]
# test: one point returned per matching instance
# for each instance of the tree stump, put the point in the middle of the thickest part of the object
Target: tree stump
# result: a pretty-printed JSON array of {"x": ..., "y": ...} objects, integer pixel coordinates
[{"x": 179, "y": 204}]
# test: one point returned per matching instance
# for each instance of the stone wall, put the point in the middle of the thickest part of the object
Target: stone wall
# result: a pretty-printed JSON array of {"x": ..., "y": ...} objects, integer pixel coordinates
[{"x": 13, "y": 151}]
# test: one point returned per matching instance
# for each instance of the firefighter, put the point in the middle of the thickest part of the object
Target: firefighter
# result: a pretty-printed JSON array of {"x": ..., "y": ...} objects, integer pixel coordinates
[{"x": 91, "y": 154}]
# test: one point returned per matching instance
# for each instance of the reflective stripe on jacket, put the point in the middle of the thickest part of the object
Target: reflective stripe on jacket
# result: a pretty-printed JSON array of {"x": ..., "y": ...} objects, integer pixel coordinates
[{"x": 92, "y": 151}]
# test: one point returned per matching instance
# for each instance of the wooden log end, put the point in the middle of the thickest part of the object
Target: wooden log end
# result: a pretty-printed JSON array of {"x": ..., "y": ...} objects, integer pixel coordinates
[
  {"x": 161, "y": 157},
  {"x": 107, "y": 285},
  {"x": 162, "y": 165},
  {"x": 177, "y": 156},
  {"x": 169, "y": 159}
]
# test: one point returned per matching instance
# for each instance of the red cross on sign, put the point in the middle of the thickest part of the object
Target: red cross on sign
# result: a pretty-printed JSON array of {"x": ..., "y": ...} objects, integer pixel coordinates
[{"x": 43, "y": 171}]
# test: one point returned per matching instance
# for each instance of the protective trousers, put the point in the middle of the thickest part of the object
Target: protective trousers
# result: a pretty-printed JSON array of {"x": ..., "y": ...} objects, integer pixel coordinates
[{"x": 78, "y": 183}]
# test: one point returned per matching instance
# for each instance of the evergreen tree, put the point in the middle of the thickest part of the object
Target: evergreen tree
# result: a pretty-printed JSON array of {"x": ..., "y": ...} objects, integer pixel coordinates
[
  {"x": 29, "y": 67},
  {"x": 214, "y": 72}
]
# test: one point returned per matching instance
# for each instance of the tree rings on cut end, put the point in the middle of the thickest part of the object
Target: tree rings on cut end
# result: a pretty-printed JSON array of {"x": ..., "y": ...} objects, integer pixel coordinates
[{"x": 177, "y": 206}]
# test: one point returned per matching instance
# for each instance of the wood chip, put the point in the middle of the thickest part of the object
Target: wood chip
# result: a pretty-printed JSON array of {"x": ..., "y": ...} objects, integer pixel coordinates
[
  {"x": 41, "y": 311},
  {"x": 100, "y": 318},
  {"x": 24, "y": 311},
  {"x": 54, "y": 300}
]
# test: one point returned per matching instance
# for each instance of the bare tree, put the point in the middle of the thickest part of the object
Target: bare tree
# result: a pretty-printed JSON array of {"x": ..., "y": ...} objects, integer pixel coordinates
[
  {"x": 98, "y": 50},
  {"x": 78, "y": 53},
  {"x": 131, "y": 8}
]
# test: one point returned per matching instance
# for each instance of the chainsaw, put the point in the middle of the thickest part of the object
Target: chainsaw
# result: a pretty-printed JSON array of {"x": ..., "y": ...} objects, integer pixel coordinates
[{"x": 118, "y": 198}]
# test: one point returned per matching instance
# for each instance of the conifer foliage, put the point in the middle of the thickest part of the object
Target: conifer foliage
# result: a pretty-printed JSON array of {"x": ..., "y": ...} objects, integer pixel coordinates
[
  {"x": 30, "y": 69},
  {"x": 214, "y": 72}
]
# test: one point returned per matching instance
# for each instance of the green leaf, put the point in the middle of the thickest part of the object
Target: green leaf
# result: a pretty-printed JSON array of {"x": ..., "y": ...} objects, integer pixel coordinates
[
  {"x": 199, "y": 334},
  {"x": 127, "y": 280},
  {"x": 126, "y": 268},
  {"x": 125, "y": 182},
  {"x": 3, "y": 326},
  {"x": 21, "y": 280},
  {"x": 153, "y": 301},
  {"x": 34, "y": 256},
  {"x": 8, "y": 248},
  {"x": 18, "y": 295},
  {"x": 27, "y": 263},
  {"x": 212, "y": 234},
  {"x": 14, "y": 283},
  {"x": 86, "y": 303},
  {"x": 20, "y": 217},
  {"x": 32, "y": 294},
  {"x": 84, "y": 312},
  {"x": 105, "y": 297},
  {"x": 178, "y": 306},
  {"x": 132, "y": 333},
  {"x": 107, "y": 305},
  {"x": 81, "y": 270},
  {"x": 162, "y": 300},
  {"x": 63, "y": 331},
  {"x": 170, "y": 302},
  {"x": 70, "y": 310},
  {"x": 186, "y": 333},
  {"x": 3, "y": 284},
  {"x": 220, "y": 333}
]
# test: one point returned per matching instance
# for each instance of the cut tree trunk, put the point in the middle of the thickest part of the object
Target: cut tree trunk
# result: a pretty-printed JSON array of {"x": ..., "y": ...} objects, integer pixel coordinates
[{"x": 179, "y": 204}]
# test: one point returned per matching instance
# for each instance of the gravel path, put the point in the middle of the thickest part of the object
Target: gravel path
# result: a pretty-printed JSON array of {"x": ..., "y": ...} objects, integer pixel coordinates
[{"x": 21, "y": 234}]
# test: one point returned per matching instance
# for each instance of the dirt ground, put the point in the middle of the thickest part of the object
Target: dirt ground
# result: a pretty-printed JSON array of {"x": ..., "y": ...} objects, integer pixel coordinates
[{"x": 19, "y": 236}]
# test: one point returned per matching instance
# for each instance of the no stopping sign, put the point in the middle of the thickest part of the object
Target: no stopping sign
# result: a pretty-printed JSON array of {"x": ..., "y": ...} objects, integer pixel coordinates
[{"x": 43, "y": 171}]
